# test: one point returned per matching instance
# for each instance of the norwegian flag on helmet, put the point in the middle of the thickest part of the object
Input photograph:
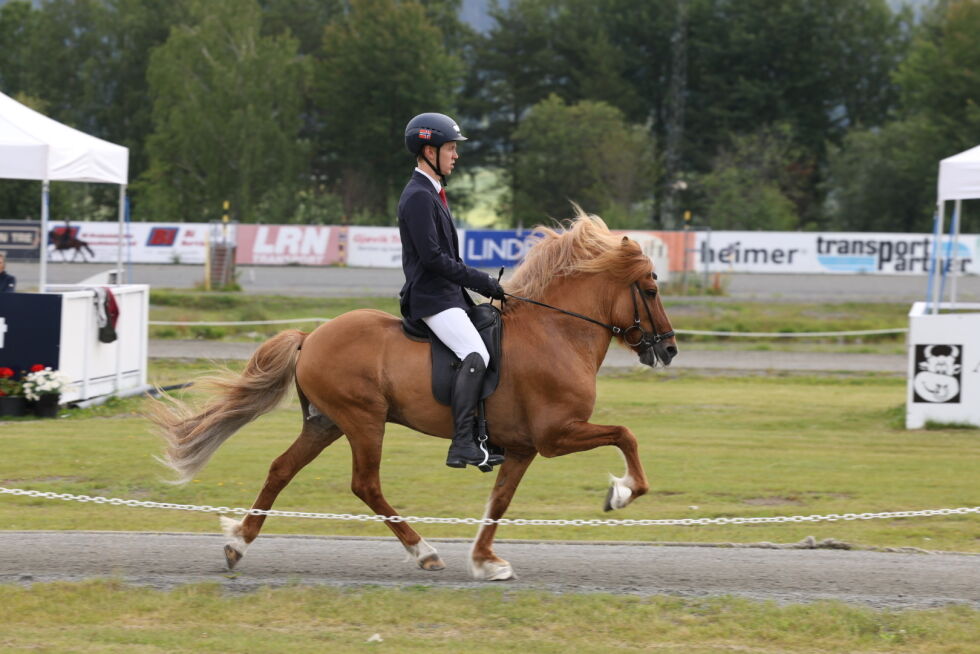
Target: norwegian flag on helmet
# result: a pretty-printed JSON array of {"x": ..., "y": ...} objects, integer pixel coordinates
[{"x": 425, "y": 134}]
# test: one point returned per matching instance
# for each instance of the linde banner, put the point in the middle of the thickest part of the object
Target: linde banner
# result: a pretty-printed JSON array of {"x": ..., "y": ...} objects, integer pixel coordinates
[
  {"x": 142, "y": 242},
  {"x": 831, "y": 252}
]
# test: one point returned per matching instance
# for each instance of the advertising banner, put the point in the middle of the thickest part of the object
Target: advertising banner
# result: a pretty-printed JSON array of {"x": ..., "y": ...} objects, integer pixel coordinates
[
  {"x": 492, "y": 248},
  {"x": 142, "y": 242},
  {"x": 374, "y": 247},
  {"x": 20, "y": 239},
  {"x": 280, "y": 245},
  {"x": 830, "y": 252}
]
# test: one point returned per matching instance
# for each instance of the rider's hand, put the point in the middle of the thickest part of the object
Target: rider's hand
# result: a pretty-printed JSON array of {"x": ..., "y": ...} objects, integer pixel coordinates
[{"x": 493, "y": 289}]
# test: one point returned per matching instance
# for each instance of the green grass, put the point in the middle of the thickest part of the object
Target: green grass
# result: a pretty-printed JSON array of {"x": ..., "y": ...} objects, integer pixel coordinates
[
  {"x": 712, "y": 447},
  {"x": 105, "y": 616},
  {"x": 708, "y": 315}
]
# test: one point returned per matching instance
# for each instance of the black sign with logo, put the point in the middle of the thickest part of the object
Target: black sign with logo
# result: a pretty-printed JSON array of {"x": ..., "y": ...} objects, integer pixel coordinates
[
  {"x": 20, "y": 239},
  {"x": 938, "y": 369}
]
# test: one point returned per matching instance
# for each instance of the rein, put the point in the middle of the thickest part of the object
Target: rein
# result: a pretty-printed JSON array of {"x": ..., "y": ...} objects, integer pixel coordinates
[{"x": 646, "y": 340}]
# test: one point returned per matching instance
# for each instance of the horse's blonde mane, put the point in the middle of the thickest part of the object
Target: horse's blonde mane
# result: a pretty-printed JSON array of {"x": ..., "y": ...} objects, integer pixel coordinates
[{"x": 585, "y": 245}]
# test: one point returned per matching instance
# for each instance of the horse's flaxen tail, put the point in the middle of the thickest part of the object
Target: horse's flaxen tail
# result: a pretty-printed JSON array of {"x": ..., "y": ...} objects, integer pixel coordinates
[{"x": 193, "y": 437}]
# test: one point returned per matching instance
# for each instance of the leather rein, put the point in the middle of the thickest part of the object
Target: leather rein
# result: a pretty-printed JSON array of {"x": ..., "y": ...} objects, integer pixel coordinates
[{"x": 646, "y": 339}]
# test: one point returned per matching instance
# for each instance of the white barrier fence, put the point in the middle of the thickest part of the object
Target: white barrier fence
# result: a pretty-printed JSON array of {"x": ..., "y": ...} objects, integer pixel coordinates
[{"x": 830, "y": 517}]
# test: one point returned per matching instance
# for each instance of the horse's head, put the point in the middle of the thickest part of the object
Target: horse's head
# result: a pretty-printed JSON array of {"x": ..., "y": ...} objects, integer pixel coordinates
[
  {"x": 648, "y": 331},
  {"x": 622, "y": 290}
]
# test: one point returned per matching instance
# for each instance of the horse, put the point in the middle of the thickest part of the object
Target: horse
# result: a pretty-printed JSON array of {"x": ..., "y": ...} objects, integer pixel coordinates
[
  {"x": 581, "y": 287},
  {"x": 63, "y": 238}
]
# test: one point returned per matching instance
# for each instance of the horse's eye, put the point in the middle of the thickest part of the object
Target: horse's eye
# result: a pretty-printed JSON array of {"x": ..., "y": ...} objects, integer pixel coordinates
[{"x": 652, "y": 292}]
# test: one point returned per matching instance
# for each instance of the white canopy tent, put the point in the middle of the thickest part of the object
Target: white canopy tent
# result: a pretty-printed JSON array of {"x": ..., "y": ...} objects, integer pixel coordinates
[
  {"x": 959, "y": 179},
  {"x": 33, "y": 146}
]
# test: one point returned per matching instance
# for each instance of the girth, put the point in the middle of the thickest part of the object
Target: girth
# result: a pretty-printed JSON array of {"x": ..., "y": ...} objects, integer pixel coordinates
[{"x": 486, "y": 319}]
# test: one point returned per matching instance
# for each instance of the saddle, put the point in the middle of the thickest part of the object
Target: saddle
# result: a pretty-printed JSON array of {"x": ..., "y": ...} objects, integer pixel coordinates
[{"x": 486, "y": 319}]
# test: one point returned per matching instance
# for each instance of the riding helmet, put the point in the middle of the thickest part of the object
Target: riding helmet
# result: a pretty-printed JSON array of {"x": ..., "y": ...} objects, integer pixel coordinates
[{"x": 431, "y": 129}]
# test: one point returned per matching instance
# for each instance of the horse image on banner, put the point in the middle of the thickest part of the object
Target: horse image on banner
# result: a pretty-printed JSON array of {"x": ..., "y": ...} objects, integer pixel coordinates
[{"x": 359, "y": 371}]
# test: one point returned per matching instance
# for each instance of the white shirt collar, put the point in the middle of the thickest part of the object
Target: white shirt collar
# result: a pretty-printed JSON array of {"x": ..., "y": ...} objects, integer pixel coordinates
[{"x": 432, "y": 179}]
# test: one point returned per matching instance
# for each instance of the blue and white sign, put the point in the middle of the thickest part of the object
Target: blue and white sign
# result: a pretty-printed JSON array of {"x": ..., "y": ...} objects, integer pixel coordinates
[{"x": 494, "y": 248}]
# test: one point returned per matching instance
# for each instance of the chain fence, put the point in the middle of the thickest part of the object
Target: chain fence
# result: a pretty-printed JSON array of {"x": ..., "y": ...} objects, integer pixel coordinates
[
  {"x": 685, "y": 522},
  {"x": 688, "y": 332}
]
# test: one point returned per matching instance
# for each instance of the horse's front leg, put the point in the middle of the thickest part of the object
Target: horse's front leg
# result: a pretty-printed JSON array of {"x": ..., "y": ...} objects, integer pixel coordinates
[
  {"x": 581, "y": 436},
  {"x": 484, "y": 564}
]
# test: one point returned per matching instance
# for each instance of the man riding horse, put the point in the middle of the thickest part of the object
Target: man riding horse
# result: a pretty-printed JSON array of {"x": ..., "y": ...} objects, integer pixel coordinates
[{"x": 435, "y": 277}]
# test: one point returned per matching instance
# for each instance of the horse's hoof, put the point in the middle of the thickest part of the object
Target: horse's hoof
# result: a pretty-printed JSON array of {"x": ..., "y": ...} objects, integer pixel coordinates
[
  {"x": 498, "y": 570},
  {"x": 232, "y": 556},
  {"x": 432, "y": 563},
  {"x": 618, "y": 495}
]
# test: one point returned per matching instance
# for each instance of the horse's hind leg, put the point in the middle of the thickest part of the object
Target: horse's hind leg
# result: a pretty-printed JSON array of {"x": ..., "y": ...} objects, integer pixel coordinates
[
  {"x": 317, "y": 433},
  {"x": 484, "y": 564},
  {"x": 365, "y": 442}
]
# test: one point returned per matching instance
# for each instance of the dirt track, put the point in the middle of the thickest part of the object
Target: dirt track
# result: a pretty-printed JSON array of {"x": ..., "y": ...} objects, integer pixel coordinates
[{"x": 878, "y": 579}]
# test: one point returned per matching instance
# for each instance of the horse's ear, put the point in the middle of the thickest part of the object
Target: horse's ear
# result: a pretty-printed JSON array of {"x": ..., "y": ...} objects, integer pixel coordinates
[{"x": 626, "y": 239}]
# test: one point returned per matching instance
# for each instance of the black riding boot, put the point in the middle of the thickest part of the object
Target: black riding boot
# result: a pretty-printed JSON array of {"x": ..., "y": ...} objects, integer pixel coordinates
[{"x": 465, "y": 449}]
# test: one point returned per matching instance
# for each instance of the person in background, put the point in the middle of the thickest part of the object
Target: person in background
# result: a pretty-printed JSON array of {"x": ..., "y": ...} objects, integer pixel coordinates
[{"x": 8, "y": 283}]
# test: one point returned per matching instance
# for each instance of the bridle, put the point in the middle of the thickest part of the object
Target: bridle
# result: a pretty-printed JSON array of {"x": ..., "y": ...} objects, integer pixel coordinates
[{"x": 645, "y": 339}]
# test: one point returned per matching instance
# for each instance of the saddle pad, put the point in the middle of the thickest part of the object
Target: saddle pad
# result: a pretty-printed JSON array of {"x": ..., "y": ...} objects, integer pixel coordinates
[{"x": 486, "y": 318}]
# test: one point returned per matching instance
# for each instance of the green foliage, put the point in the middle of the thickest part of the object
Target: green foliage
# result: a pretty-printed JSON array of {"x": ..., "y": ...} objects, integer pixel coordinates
[
  {"x": 584, "y": 153},
  {"x": 752, "y": 182},
  {"x": 382, "y": 62},
  {"x": 885, "y": 179},
  {"x": 226, "y": 104}
]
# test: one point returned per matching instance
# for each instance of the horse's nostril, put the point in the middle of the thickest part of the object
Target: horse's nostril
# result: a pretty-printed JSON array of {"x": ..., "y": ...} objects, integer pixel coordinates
[{"x": 672, "y": 351}]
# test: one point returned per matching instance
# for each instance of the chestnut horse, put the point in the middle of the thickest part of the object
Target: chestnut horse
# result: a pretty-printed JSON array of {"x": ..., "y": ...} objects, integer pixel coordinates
[{"x": 359, "y": 371}]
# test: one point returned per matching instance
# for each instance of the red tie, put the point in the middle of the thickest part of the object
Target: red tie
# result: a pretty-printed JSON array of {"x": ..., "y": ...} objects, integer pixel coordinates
[{"x": 442, "y": 196}]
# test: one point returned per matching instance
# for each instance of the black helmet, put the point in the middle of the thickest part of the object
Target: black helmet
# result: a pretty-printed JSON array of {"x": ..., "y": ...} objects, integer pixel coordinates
[{"x": 431, "y": 129}]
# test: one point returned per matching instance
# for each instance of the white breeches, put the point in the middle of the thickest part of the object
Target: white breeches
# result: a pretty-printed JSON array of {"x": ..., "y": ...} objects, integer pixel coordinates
[{"x": 456, "y": 332}]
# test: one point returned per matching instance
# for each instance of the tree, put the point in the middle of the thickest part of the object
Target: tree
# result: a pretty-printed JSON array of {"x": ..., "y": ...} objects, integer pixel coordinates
[
  {"x": 753, "y": 183},
  {"x": 885, "y": 178},
  {"x": 585, "y": 153},
  {"x": 226, "y": 112},
  {"x": 382, "y": 63}
]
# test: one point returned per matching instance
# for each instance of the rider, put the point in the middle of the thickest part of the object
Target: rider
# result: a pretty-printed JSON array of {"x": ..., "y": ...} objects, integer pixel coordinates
[{"x": 435, "y": 276}]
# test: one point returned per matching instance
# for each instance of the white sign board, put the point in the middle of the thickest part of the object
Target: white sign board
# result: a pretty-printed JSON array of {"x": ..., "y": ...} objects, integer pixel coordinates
[
  {"x": 374, "y": 247},
  {"x": 829, "y": 252},
  {"x": 944, "y": 366}
]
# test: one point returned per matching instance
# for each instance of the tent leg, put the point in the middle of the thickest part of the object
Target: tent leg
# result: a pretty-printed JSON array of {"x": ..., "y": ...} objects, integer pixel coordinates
[
  {"x": 936, "y": 260},
  {"x": 954, "y": 265},
  {"x": 43, "y": 253},
  {"x": 122, "y": 218}
]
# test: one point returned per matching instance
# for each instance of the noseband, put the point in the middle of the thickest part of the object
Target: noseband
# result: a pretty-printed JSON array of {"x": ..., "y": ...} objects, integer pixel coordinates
[{"x": 644, "y": 340}]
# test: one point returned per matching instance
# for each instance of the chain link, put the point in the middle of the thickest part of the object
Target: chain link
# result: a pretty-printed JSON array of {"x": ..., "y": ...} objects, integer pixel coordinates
[{"x": 537, "y": 522}]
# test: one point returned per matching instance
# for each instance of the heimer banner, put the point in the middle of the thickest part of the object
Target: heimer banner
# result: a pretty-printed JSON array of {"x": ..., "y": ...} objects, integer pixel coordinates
[{"x": 831, "y": 252}]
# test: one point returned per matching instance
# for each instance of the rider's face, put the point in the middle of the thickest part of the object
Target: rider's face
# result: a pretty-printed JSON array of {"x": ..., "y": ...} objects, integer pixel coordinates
[{"x": 447, "y": 157}]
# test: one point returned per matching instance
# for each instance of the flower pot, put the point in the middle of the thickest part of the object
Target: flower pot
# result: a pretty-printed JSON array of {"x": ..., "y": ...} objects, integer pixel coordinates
[
  {"x": 47, "y": 406},
  {"x": 13, "y": 405}
]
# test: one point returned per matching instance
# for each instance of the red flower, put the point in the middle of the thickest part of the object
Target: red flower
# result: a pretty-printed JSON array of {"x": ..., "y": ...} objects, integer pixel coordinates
[
  {"x": 6, "y": 372},
  {"x": 37, "y": 367},
  {"x": 2, "y": 394}
]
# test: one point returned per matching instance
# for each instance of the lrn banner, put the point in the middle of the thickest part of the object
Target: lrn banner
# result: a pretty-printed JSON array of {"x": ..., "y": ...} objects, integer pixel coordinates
[{"x": 308, "y": 245}]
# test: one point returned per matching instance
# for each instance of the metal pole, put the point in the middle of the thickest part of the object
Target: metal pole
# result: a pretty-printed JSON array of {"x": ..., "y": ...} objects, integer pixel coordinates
[
  {"x": 43, "y": 254},
  {"x": 936, "y": 245},
  {"x": 119, "y": 248},
  {"x": 954, "y": 266}
]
